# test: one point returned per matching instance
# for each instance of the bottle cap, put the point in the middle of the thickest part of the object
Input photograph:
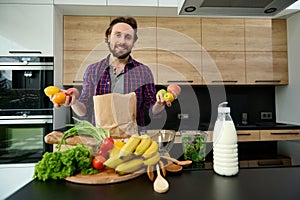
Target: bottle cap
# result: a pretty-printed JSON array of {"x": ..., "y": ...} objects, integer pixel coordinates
[{"x": 223, "y": 109}]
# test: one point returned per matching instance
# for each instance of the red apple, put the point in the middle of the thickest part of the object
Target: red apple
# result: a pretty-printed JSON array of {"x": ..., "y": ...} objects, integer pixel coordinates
[{"x": 174, "y": 89}]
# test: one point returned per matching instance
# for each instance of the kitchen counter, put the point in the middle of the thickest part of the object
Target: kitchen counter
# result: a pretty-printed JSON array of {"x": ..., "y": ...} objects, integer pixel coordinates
[{"x": 259, "y": 183}]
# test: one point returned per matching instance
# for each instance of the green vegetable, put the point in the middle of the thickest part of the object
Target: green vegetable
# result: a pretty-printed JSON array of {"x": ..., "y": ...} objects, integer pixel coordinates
[
  {"x": 61, "y": 164},
  {"x": 83, "y": 127},
  {"x": 194, "y": 148}
]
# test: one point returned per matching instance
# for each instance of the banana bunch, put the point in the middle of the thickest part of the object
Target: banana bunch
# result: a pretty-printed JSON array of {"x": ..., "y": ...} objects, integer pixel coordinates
[{"x": 137, "y": 152}]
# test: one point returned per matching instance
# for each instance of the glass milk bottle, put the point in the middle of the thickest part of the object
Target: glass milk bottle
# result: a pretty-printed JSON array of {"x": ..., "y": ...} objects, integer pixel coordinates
[{"x": 225, "y": 151}]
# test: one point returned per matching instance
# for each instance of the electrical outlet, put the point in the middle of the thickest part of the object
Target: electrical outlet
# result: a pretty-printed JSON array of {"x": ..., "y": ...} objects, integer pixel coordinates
[
  {"x": 266, "y": 115},
  {"x": 183, "y": 116}
]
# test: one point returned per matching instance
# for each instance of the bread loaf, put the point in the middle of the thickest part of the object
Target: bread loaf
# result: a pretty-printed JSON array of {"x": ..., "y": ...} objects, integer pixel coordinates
[{"x": 55, "y": 137}]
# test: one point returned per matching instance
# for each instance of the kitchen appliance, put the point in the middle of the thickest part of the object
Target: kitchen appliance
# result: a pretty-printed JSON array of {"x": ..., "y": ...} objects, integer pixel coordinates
[
  {"x": 258, "y": 8},
  {"x": 26, "y": 113}
]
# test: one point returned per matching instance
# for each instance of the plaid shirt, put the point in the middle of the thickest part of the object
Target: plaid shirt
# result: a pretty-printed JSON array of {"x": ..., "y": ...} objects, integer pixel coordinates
[{"x": 138, "y": 78}]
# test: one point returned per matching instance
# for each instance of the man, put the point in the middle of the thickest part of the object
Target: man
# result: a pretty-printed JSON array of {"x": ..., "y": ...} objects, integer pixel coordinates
[{"x": 118, "y": 73}]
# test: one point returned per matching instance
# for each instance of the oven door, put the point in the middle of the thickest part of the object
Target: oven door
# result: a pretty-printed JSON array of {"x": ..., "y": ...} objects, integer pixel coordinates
[{"x": 22, "y": 140}]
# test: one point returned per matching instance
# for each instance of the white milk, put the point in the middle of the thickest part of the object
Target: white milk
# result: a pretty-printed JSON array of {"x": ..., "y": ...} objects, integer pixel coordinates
[{"x": 225, "y": 141}]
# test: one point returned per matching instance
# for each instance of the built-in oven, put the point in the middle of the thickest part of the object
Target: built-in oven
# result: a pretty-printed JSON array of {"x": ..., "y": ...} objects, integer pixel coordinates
[{"x": 26, "y": 113}]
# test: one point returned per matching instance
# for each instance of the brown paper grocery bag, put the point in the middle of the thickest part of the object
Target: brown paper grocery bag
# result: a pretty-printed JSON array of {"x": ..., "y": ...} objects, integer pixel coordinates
[{"x": 116, "y": 113}]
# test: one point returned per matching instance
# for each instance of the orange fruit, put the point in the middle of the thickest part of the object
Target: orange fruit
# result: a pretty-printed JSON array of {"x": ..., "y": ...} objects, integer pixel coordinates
[
  {"x": 59, "y": 98},
  {"x": 51, "y": 90}
]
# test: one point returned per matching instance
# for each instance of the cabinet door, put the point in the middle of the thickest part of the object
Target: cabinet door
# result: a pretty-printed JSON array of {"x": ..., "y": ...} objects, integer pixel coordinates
[
  {"x": 179, "y": 67},
  {"x": 76, "y": 62},
  {"x": 179, "y": 34},
  {"x": 26, "y": 27},
  {"x": 223, "y": 67},
  {"x": 265, "y": 35},
  {"x": 146, "y": 33},
  {"x": 223, "y": 34},
  {"x": 85, "y": 32},
  {"x": 267, "y": 68},
  {"x": 266, "y": 135}
]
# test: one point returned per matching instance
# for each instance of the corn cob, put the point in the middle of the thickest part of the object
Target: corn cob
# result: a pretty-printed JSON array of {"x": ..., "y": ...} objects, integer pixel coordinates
[
  {"x": 130, "y": 146},
  {"x": 151, "y": 150},
  {"x": 129, "y": 166},
  {"x": 144, "y": 145},
  {"x": 114, "y": 161},
  {"x": 152, "y": 160}
]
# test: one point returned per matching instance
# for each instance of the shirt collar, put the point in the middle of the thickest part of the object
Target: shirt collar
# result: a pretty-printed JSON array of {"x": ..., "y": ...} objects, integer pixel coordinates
[{"x": 130, "y": 62}]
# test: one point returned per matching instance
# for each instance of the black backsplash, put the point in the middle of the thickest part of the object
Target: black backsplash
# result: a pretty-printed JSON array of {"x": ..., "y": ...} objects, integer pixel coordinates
[{"x": 201, "y": 102}]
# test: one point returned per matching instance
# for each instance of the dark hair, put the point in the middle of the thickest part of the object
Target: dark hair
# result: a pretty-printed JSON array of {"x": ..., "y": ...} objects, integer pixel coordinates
[{"x": 128, "y": 20}]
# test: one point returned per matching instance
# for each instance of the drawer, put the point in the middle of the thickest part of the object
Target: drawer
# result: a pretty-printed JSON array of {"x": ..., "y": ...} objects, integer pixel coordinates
[
  {"x": 248, "y": 135},
  {"x": 270, "y": 162},
  {"x": 266, "y": 135}
]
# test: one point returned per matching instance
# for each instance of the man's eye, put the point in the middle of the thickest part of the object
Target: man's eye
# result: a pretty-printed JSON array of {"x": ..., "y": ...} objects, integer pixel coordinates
[{"x": 128, "y": 37}]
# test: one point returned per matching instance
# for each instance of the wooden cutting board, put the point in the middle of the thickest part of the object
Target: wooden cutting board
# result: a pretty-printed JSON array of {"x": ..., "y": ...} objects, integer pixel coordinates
[{"x": 106, "y": 176}]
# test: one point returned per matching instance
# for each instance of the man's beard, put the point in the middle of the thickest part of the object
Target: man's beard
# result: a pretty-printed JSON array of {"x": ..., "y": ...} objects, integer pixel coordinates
[{"x": 117, "y": 55}]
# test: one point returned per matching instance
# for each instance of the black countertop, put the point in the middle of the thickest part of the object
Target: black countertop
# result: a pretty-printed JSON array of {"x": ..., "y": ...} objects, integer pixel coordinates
[{"x": 262, "y": 183}]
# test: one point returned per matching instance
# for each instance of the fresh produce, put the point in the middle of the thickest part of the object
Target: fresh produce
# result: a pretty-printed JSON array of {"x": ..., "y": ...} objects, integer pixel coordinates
[
  {"x": 151, "y": 150},
  {"x": 115, "y": 160},
  {"x": 194, "y": 148},
  {"x": 152, "y": 160},
  {"x": 144, "y": 145},
  {"x": 106, "y": 146},
  {"x": 168, "y": 96},
  {"x": 61, "y": 164},
  {"x": 174, "y": 89},
  {"x": 98, "y": 162},
  {"x": 130, "y": 146},
  {"x": 129, "y": 166},
  {"x": 59, "y": 98},
  {"x": 161, "y": 91},
  {"x": 83, "y": 127},
  {"x": 51, "y": 90}
]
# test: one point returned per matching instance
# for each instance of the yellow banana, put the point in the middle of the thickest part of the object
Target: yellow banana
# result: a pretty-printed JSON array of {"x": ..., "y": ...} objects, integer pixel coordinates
[
  {"x": 151, "y": 150},
  {"x": 115, "y": 160},
  {"x": 152, "y": 160},
  {"x": 144, "y": 145},
  {"x": 130, "y": 146},
  {"x": 129, "y": 166}
]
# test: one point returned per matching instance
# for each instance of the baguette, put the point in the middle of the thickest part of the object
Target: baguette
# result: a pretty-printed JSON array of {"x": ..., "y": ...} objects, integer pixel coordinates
[{"x": 55, "y": 137}]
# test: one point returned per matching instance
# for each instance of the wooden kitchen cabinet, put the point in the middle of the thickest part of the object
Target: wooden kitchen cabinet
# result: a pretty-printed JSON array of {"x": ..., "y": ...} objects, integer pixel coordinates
[
  {"x": 224, "y": 68},
  {"x": 85, "y": 32},
  {"x": 267, "y": 68},
  {"x": 179, "y": 34},
  {"x": 223, "y": 34},
  {"x": 265, "y": 35},
  {"x": 146, "y": 34},
  {"x": 248, "y": 135},
  {"x": 179, "y": 67},
  {"x": 267, "y": 135},
  {"x": 76, "y": 62}
]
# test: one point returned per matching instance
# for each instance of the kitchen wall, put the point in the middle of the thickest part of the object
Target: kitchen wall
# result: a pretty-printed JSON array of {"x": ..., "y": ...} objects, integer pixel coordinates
[
  {"x": 197, "y": 106},
  {"x": 288, "y": 97}
]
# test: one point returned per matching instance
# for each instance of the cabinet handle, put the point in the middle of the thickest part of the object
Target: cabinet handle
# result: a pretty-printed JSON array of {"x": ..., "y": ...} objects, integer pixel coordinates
[
  {"x": 244, "y": 134},
  {"x": 17, "y": 51},
  {"x": 290, "y": 133},
  {"x": 180, "y": 81},
  {"x": 269, "y": 162},
  {"x": 224, "y": 81},
  {"x": 77, "y": 81},
  {"x": 267, "y": 81}
]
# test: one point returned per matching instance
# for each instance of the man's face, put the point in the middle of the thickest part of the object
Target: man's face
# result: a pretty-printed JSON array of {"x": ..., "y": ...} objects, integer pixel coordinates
[{"x": 121, "y": 40}]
